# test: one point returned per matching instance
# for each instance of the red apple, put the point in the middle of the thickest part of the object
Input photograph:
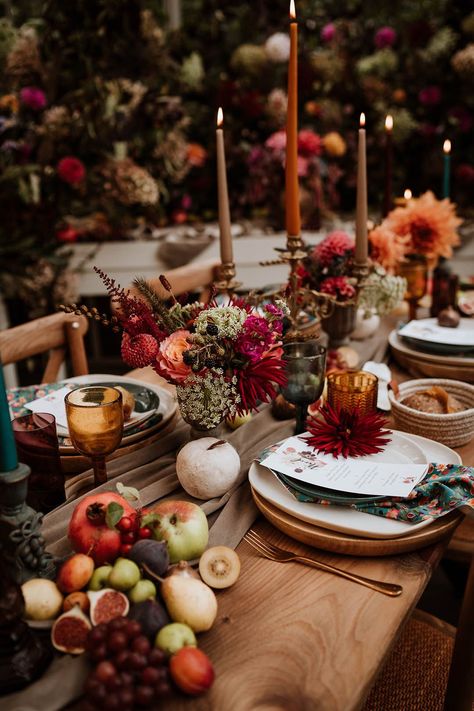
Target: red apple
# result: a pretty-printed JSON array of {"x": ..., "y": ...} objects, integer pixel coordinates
[
  {"x": 183, "y": 525},
  {"x": 75, "y": 573},
  {"x": 191, "y": 670}
]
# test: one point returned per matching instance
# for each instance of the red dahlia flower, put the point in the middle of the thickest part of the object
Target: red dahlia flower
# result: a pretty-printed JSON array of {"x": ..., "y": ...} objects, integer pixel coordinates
[
  {"x": 71, "y": 170},
  {"x": 258, "y": 381}
]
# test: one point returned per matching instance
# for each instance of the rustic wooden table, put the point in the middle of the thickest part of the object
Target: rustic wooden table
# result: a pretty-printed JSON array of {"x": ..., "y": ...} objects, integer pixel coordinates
[{"x": 291, "y": 638}]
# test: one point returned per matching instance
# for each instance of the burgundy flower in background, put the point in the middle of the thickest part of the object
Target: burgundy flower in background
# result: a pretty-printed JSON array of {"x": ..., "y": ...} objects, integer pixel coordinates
[
  {"x": 465, "y": 173},
  {"x": 309, "y": 143},
  {"x": 67, "y": 234},
  {"x": 336, "y": 244},
  {"x": 33, "y": 98},
  {"x": 71, "y": 170},
  {"x": 328, "y": 32},
  {"x": 462, "y": 117},
  {"x": 339, "y": 287},
  {"x": 430, "y": 96},
  {"x": 385, "y": 37}
]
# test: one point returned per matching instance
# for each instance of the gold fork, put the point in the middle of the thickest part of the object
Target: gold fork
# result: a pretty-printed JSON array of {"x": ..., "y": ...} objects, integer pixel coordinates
[{"x": 268, "y": 550}]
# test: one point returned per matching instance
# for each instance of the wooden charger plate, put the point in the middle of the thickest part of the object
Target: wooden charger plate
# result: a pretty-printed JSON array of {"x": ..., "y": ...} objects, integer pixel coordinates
[{"x": 336, "y": 542}]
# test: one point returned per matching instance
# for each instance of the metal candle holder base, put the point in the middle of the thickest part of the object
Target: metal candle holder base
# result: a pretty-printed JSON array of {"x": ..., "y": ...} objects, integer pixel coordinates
[
  {"x": 226, "y": 283},
  {"x": 21, "y": 543}
]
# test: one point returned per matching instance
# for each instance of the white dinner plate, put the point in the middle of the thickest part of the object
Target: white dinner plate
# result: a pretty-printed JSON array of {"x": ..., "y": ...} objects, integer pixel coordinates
[
  {"x": 343, "y": 518},
  {"x": 166, "y": 408}
]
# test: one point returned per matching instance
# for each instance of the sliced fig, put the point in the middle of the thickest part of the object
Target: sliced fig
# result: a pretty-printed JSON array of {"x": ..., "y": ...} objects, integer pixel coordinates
[
  {"x": 69, "y": 632},
  {"x": 219, "y": 567},
  {"x": 107, "y": 604}
]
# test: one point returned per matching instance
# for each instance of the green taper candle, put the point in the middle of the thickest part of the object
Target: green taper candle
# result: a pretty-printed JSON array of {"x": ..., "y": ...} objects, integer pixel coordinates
[{"x": 8, "y": 456}]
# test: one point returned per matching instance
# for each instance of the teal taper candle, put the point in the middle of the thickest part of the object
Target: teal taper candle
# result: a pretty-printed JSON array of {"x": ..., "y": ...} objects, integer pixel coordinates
[
  {"x": 447, "y": 168},
  {"x": 8, "y": 456}
]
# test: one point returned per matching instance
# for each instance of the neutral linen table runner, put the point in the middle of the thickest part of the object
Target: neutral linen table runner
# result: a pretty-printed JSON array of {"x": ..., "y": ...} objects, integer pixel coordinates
[{"x": 151, "y": 470}]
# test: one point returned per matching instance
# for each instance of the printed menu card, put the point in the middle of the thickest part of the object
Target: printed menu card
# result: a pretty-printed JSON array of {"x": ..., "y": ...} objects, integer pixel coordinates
[{"x": 370, "y": 475}]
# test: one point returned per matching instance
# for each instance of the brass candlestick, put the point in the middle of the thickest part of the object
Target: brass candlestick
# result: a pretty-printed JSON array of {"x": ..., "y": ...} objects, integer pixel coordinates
[{"x": 226, "y": 283}]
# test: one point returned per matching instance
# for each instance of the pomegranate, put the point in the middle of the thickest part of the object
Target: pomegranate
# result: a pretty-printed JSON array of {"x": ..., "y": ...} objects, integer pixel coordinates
[
  {"x": 70, "y": 631},
  {"x": 106, "y": 605},
  {"x": 88, "y": 531}
]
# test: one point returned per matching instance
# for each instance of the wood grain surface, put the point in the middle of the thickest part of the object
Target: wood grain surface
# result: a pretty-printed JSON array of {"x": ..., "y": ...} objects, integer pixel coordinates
[{"x": 291, "y": 638}]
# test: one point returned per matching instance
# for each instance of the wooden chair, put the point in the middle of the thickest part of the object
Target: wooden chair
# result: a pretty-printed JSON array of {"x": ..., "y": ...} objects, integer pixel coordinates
[
  {"x": 57, "y": 333},
  {"x": 191, "y": 277},
  {"x": 431, "y": 667}
]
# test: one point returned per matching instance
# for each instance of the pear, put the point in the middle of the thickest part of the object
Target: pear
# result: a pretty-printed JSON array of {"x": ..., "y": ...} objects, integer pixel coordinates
[
  {"x": 124, "y": 576},
  {"x": 189, "y": 601},
  {"x": 100, "y": 577}
]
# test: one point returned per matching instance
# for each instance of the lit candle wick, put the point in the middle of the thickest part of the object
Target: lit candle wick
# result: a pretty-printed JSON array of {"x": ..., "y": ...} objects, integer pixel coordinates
[
  {"x": 220, "y": 117},
  {"x": 362, "y": 120},
  {"x": 408, "y": 194},
  {"x": 388, "y": 122},
  {"x": 292, "y": 10},
  {"x": 447, "y": 146}
]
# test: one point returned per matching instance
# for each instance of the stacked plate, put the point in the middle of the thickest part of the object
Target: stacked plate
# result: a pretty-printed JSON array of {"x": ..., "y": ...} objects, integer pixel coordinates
[
  {"x": 342, "y": 529},
  {"x": 154, "y": 408}
]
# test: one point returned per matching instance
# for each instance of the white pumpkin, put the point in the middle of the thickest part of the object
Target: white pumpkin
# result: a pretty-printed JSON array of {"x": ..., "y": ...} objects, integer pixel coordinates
[{"x": 207, "y": 469}]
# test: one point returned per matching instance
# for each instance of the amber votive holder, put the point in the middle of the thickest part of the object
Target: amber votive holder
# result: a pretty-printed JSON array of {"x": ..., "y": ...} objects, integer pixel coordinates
[{"x": 352, "y": 389}]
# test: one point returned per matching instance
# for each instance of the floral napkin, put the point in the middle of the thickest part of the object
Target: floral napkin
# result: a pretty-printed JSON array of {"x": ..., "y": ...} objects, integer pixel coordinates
[{"x": 444, "y": 488}]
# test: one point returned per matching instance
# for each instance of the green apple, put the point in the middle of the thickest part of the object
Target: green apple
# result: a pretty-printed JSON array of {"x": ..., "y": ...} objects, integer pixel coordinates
[
  {"x": 125, "y": 575},
  {"x": 183, "y": 525},
  {"x": 100, "y": 578},
  {"x": 171, "y": 638},
  {"x": 143, "y": 590}
]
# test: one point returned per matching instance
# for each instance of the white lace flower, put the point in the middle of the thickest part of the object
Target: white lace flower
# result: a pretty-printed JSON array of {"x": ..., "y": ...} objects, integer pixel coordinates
[{"x": 277, "y": 47}]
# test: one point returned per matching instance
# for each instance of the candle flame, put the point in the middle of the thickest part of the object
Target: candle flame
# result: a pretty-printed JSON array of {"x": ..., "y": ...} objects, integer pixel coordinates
[
  {"x": 408, "y": 194},
  {"x": 292, "y": 10},
  {"x": 220, "y": 117},
  {"x": 447, "y": 146},
  {"x": 388, "y": 122},
  {"x": 362, "y": 120}
]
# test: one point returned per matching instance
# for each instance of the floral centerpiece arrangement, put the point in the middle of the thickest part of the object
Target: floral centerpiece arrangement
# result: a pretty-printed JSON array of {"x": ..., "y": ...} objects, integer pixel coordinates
[
  {"x": 424, "y": 226},
  {"x": 328, "y": 267},
  {"x": 223, "y": 359}
]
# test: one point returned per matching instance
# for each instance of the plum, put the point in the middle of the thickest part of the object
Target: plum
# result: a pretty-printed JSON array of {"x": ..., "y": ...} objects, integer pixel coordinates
[
  {"x": 151, "y": 615},
  {"x": 152, "y": 557}
]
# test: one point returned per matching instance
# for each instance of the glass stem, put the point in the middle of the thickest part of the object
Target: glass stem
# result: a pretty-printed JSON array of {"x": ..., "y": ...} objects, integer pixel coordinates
[
  {"x": 412, "y": 307},
  {"x": 301, "y": 412},
  {"x": 100, "y": 470}
]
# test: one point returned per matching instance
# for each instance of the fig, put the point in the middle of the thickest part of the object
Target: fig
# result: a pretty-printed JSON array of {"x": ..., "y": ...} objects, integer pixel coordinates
[
  {"x": 151, "y": 615},
  {"x": 69, "y": 632},
  {"x": 219, "y": 567},
  {"x": 76, "y": 598},
  {"x": 42, "y": 599},
  {"x": 189, "y": 601},
  {"x": 151, "y": 556},
  {"x": 107, "y": 604},
  {"x": 88, "y": 531}
]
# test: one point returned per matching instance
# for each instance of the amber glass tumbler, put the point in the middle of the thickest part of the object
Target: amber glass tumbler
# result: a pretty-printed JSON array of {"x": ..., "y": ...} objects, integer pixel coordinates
[{"x": 353, "y": 389}]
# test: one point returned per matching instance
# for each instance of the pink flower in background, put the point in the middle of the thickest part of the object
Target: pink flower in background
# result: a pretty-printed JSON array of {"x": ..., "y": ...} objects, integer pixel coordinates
[
  {"x": 33, "y": 97},
  {"x": 336, "y": 244},
  {"x": 302, "y": 165},
  {"x": 71, "y": 170},
  {"x": 186, "y": 202},
  {"x": 430, "y": 96},
  {"x": 309, "y": 143},
  {"x": 67, "y": 234},
  {"x": 277, "y": 141},
  {"x": 170, "y": 355},
  {"x": 256, "y": 156},
  {"x": 385, "y": 37},
  {"x": 338, "y": 287},
  {"x": 328, "y": 32}
]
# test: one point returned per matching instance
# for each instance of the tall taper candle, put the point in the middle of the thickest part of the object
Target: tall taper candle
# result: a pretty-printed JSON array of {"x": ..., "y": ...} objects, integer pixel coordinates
[
  {"x": 292, "y": 198},
  {"x": 387, "y": 202},
  {"x": 222, "y": 194},
  {"x": 8, "y": 456},
  {"x": 361, "y": 244},
  {"x": 447, "y": 168}
]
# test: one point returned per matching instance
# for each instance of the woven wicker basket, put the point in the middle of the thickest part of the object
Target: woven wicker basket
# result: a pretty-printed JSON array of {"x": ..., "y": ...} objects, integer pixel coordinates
[{"x": 454, "y": 429}]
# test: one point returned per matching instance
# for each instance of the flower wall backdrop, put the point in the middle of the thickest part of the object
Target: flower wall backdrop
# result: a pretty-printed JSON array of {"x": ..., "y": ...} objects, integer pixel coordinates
[{"x": 107, "y": 119}]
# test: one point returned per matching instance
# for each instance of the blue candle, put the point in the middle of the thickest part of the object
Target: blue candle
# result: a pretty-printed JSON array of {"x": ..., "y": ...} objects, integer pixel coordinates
[
  {"x": 8, "y": 456},
  {"x": 447, "y": 168}
]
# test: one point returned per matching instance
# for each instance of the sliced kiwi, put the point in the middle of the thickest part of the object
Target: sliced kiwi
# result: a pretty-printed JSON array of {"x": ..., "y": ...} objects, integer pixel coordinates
[{"x": 219, "y": 567}]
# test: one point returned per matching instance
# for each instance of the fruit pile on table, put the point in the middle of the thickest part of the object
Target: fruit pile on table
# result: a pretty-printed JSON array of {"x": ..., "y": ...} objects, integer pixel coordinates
[{"x": 129, "y": 599}]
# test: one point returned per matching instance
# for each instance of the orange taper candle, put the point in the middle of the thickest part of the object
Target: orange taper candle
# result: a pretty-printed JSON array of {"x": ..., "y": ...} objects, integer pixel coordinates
[{"x": 293, "y": 221}]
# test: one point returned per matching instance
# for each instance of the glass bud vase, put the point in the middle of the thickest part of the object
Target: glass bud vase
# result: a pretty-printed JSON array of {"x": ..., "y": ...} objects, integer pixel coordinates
[{"x": 340, "y": 324}]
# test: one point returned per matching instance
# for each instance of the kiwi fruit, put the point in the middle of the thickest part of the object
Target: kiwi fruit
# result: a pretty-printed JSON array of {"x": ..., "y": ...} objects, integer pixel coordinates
[{"x": 219, "y": 567}]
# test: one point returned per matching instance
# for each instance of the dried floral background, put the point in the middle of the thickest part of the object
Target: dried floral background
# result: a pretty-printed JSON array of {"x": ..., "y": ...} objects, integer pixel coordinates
[{"x": 107, "y": 117}]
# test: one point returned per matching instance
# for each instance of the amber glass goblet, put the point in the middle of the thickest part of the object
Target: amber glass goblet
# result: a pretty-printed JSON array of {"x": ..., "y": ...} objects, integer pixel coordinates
[
  {"x": 305, "y": 369},
  {"x": 95, "y": 421},
  {"x": 415, "y": 271},
  {"x": 353, "y": 389}
]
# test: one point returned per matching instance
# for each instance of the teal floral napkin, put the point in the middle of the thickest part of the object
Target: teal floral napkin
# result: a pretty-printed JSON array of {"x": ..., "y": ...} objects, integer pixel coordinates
[{"x": 445, "y": 487}]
